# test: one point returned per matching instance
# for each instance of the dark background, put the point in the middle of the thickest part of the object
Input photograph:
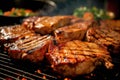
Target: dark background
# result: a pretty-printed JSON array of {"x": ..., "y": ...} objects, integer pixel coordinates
[
  {"x": 68, "y": 6},
  {"x": 65, "y": 7},
  {"x": 61, "y": 7}
]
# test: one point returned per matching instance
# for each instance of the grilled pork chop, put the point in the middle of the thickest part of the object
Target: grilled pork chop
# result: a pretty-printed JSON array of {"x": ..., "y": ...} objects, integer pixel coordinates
[
  {"x": 113, "y": 24},
  {"x": 30, "y": 22},
  {"x": 76, "y": 30},
  {"x": 12, "y": 33},
  {"x": 31, "y": 49},
  {"x": 45, "y": 25},
  {"x": 77, "y": 58},
  {"x": 106, "y": 36}
]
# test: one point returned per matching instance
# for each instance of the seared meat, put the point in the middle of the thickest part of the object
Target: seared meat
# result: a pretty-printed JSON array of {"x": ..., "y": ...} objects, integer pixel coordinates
[
  {"x": 12, "y": 33},
  {"x": 75, "y": 19},
  {"x": 76, "y": 30},
  {"x": 71, "y": 32},
  {"x": 106, "y": 36},
  {"x": 113, "y": 24},
  {"x": 30, "y": 22},
  {"x": 77, "y": 58},
  {"x": 31, "y": 49},
  {"x": 45, "y": 25}
]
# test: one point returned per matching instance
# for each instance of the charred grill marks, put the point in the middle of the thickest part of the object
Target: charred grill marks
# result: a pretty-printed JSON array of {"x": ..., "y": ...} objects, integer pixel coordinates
[
  {"x": 32, "y": 43},
  {"x": 105, "y": 36},
  {"x": 73, "y": 55}
]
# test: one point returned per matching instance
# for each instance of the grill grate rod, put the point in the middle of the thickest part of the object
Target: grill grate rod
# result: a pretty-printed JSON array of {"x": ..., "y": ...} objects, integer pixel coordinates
[
  {"x": 7, "y": 75},
  {"x": 5, "y": 55},
  {"x": 5, "y": 61},
  {"x": 1, "y": 61},
  {"x": 48, "y": 75},
  {"x": 2, "y": 78},
  {"x": 4, "y": 58},
  {"x": 24, "y": 72},
  {"x": 11, "y": 64},
  {"x": 12, "y": 73}
]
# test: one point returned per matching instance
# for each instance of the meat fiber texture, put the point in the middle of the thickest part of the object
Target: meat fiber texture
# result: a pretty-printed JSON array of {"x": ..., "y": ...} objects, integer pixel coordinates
[
  {"x": 12, "y": 33},
  {"x": 30, "y": 49},
  {"x": 75, "y": 58},
  {"x": 105, "y": 35},
  {"x": 46, "y": 25},
  {"x": 76, "y": 30}
]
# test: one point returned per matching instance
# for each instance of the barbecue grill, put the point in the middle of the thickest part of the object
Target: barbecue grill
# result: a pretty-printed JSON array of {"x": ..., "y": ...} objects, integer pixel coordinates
[
  {"x": 9, "y": 70},
  {"x": 19, "y": 70},
  {"x": 12, "y": 70}
]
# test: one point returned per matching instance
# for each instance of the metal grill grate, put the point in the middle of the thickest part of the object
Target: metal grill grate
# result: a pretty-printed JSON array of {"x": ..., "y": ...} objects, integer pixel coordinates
[{"x": 9, "y": 70}]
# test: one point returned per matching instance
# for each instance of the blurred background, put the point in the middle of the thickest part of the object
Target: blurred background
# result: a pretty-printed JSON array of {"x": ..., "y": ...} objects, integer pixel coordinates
[
  {"x": 60, "y": 7},
  {"x": 65, "y": 7},
  {"x": 68, "y": 6}
]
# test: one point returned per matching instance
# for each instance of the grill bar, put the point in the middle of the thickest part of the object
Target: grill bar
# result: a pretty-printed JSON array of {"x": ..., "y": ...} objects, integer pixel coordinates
[
  {"x": 7, "y": 75},
  {"x": 1, "y": 78},
  {"x": 5, "y": 59},
  {"x": 11, "y": 72},
  {"x": 9, "y": 69},
  {"x": 20, "y": 71},
  {"x": 6, "y": 62},
  {"x": 24, "y": 72}
]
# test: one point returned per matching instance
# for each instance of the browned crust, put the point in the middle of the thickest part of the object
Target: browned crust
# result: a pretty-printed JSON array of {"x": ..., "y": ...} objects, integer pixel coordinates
[
  {"x": 105, "y": 36},
  {"x": 12, "y": 33},
  {"x": 32, "y": 49},
  {"x": 72, "y": 55}
]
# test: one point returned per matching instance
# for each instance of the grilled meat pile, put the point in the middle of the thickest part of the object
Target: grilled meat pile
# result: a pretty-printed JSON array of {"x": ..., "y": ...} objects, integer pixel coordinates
[{"x": 71, "y": 45}]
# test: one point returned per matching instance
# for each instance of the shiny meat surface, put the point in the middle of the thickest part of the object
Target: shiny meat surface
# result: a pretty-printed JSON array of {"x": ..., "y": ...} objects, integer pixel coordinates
[
  {"x": 12, "y": 33},
  {"x": 113, "y": 24},
  {"x": 74, "y": 31},
  {"x": 32, "y": 49},
  {"x": 77, "y": 58},
  {"x": 45, "y": 25},
  {"x": 30, "y": 22},
  {"x": 106, "y": 36}
]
